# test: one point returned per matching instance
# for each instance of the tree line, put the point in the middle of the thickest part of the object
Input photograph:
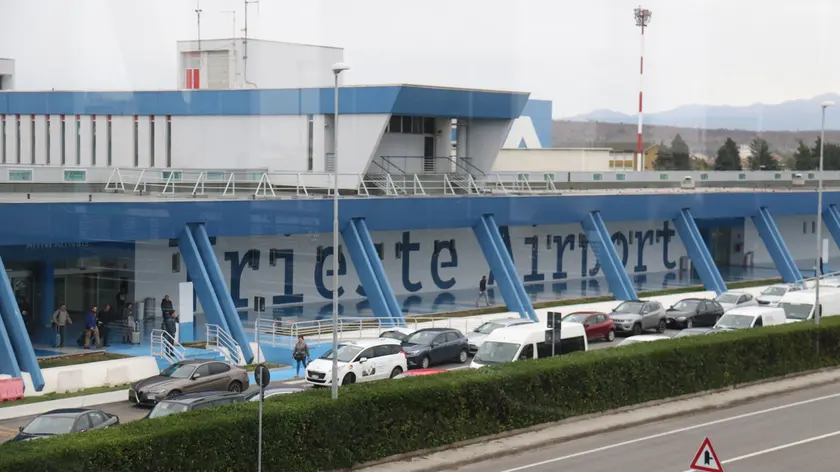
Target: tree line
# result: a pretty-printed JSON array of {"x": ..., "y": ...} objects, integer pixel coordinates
[{"x": 677, "y": 156}]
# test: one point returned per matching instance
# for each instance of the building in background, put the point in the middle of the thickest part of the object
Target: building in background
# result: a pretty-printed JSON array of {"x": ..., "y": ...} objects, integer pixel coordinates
[{"x": 7, "y": 74}]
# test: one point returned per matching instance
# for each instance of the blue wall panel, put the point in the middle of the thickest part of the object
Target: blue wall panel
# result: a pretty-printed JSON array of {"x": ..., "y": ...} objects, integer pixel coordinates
[
  {"x": 772, "y": 238},
  {"x": 16, "y": 330},
  {"x": 699, "y": 252}
]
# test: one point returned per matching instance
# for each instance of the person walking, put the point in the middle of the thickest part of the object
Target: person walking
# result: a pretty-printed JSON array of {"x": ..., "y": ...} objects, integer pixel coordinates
[
  {"x": 482, "y": 291},
  {"x": 105, "y": 318},
  {"x": 60, "y": 320},
  {"x": 301, "y": 355},
  {"x": 128, "y": 317},
  {"x": 91, "y": 328},
  {"x": 166, "y": 307}
]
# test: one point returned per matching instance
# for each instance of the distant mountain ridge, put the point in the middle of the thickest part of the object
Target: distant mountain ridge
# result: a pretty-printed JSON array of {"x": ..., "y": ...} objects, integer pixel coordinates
[{"x": 793, "y": 115}]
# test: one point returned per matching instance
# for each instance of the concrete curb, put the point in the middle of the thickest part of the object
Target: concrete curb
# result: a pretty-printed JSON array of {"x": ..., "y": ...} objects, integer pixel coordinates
[
  {"x": 489, "y": 447},
  {"x": 82, "y": 401}
]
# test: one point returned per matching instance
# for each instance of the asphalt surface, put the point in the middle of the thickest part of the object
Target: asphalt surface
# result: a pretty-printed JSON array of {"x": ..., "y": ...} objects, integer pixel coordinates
[{"x": 796, "y": 431}]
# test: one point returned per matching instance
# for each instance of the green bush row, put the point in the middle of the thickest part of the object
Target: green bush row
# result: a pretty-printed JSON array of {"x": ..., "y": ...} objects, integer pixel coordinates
[{"x": 309, "y": 431}]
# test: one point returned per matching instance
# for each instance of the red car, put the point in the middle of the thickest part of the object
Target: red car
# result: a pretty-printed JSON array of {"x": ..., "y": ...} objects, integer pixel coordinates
[
  {"x": 419, "y": 372},
  {"x": 596, "y": 324}
]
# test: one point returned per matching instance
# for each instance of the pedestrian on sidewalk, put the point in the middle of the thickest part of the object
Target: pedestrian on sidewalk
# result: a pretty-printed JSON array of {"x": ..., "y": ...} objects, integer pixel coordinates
[
  {"x": 482, "y": 291},
  {"x": 91, "y": 328},
  {"x": 128, "y": 317},
  {"x": 301, "y": 355},
  {"x": 60, "y": 320}
]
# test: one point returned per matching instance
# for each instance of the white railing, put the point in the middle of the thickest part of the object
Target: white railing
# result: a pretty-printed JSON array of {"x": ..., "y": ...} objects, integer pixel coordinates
[
  {"x": 163, "y": 345},
  {"x": 220, "y": 341}
]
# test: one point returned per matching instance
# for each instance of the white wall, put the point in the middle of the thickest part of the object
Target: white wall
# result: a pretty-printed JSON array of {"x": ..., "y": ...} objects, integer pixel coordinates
[
  {"x": 553, "y": 160},
  {"x": 55, "y": 140},
  {"x": 101, "y": 157},
  {"x": 155, "y": 278},
  {"x": 522, "y": 129},
  {"x": 801, "y": 244},
  {"x": 359, "y": 138},
  {"x": 25, "y": 139},
  {"x": 485, "y": 139},
  {"x": 40, "y": 142},
  {"x": 402, "y": 150},
  {"x": 122, "y": 141}
]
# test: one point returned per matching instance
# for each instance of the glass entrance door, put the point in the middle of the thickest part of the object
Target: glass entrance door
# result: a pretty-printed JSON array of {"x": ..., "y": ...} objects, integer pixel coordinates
[{"x": 721, "y": 243}]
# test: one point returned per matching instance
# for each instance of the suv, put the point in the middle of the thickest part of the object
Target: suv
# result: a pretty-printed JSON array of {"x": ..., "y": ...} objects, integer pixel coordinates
[
  {"x": 194, "y": 401},
  {"x": 361, "y": 360},
  {"x": 635, "y": 316},
  {"x": 431, "y": 346}
]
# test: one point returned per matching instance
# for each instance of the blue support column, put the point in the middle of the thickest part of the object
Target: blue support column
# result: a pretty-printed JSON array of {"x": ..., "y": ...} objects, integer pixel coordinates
[
  {"x": 604, "y": 249},
  {"x": 199, "y": 277},
  {"x": 220, "y": 288},
  {"x": 355, "y": 239},
  {"x": 488, "y": 236},
  {"x": 381, "y": 275},
  {"x": 8, "y": 360},
  {"x": 698, "y": 252},
  {"x": 16, "y": 331},
  {"x": 769, "y": 233},
  {"x": 44, "y": 330}
]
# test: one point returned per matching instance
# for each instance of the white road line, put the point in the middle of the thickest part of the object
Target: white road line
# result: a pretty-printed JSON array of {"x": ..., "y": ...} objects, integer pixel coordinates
[
  {"x": 675, "y": 431},
  {"x": 777, "y": 448}
]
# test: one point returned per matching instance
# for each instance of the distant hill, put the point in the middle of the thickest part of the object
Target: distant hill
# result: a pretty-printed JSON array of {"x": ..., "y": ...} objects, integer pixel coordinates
[
  {"x": 704, "y": 141},
  {"x": 793, "y": 115}
]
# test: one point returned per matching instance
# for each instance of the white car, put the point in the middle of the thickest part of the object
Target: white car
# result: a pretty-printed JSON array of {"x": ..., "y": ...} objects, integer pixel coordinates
[
  {"x": 643, "y": 338},
  {"x": 772, "y": 294},
  {"x": 362, "y": 360},
  {"x": 735, "y": 299}
]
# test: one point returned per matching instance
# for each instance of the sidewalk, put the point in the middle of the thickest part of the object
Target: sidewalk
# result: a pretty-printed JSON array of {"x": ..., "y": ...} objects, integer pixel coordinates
[{"x": 482, "y": 449}]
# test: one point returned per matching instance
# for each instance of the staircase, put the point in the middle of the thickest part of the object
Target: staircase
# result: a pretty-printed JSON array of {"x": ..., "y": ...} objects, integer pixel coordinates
[{"x": 462, "y": 184}]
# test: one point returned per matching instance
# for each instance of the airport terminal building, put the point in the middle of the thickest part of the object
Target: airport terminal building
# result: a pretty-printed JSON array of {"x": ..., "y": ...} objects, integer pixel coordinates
[{"x": 219, "y": 197}]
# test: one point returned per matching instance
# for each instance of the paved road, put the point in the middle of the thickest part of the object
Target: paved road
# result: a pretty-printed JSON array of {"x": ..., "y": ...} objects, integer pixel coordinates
[{"x": 797, "y": 431}]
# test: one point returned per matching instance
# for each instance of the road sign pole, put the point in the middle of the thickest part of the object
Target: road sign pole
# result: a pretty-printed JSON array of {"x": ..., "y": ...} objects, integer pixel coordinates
[
  {"x": 262, "y": 376},
  {"x": 259, "y": 447}
]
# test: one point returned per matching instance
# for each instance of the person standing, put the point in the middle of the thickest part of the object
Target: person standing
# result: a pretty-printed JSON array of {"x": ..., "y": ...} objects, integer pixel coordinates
[
  {"x": 60, "y": 320},
  {"x": 105, "y": 319},
  {"x": 166, "y": 307},
  {"x": 91, "y": 327},
  {"x": 170, "y": 325},
  {"x": 301, "y": 355},
  {"x": 128, "y": 317},
  {"x": 482, "y": 291}
]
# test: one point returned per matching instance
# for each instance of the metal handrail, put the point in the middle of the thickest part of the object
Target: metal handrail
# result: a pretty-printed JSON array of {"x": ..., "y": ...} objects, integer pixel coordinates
[
  {"x": 219, "y": 340},
  {"x": 280, "y": 332},
  {"x": 165, "y": 346}
]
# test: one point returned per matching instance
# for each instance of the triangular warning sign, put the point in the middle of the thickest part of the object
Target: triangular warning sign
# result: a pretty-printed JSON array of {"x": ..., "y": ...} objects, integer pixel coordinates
[{"x": 706, "y": 459}]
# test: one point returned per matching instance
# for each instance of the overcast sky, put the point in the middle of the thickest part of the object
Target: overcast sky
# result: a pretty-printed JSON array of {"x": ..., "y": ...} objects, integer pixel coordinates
[{"x": 582, "y": 54}]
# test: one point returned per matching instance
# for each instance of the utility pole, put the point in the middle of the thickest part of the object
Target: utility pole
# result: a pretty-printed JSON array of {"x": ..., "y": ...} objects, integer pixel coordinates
[
  {"x": 245, "y": 42},
  {"x": 642, "y": 20},
  {"x": 198, "y": 21}
]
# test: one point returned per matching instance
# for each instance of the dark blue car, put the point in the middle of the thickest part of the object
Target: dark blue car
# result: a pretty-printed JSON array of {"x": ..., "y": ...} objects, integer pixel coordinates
[{"x": 70, "y": 420}]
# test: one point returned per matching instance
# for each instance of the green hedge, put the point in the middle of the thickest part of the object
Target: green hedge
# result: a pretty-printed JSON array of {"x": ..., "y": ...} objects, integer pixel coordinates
[{"x": 308, "y": 431}]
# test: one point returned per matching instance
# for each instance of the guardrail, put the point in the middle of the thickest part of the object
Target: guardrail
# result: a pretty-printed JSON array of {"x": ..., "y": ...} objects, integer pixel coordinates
[
  {"x": 219, "y": 340},
  {"x": 163, "y": 345}
]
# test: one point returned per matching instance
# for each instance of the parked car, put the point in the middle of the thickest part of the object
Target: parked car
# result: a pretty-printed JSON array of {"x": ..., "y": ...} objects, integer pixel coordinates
[
  {"x": 799, "y": 305},
  {"x": 194, "y": 401},
  {"x": 396, "y": 333},
  {"x": 479, "y": 335},
  {"x": 596, "y": 324},
  {"x": 643, "y": 338},
  {"x": 520, "y": 343},
  {"x": 751, "y": 317},
  {"x": 189, "y": 376},
  {"x": 361, "y": 360},
  {"x": 735, "y": 299},
  {"x": 636, "y": 316},
  {"x": 272, "y": 392},
  {"x": 65, "y": 421},
  {"x": 694, "y": 332},
  {"x": 431, "y": 346},
  {"x": 774, "y": 293},
  {"x": 691, "y": 312},
  {"x": 419, "y": 373}
]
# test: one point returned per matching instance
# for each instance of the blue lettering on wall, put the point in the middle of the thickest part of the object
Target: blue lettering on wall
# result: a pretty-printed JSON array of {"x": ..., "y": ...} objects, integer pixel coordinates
[
  {"x": 642, "y": 238},
  {"x": 237, "y": 265},
  {"x": 561, "y": 244},
  {"x": 326, "y": 253},
  {"x": 665, "y": 234},
  {"x": 437, "y": 265},
  {"x": 585, "y": 271},
  {"x": 404, "y": 250},
  {"x": 288, "y": 258},
  {"x": 505, "y": 232},
  {"x": 535, "y": 275},
  {"x": 619, "y": 239}
]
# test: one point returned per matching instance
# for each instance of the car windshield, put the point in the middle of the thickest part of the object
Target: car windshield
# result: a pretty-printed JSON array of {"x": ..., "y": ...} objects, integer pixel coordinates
[
  {"x": 630, "y": 307},
  {"x": 496, "y": 353},
  {"x": 346, "y": 353},
  {"x": 728, "y": 298},
  {"x": 575, "y": 318},
  {"x": 422, "y": 337},
  {"x": 487, "y": 328},
  {"x": 797, "y": 311},
  {"x": 735, "y": 321},
  {"x": 178, "y": 371},
  {"x": 50, "y": 425},
  {"x": 687, "y": 305},
  {"x": 167, "y": 408},
  {"x": 394, "y": 335},
  {"x": 774, "y": 291}
]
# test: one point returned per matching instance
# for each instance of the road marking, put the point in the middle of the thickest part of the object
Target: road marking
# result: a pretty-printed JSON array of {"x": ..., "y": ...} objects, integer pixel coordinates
[
  {"x": 675, "y": 431},
  {"x": 778, "y": 448}
]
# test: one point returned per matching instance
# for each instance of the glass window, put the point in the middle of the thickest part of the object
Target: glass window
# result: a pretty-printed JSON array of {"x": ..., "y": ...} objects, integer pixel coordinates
[
  {"x": 63, "y": 140},
  {"x": 527, "y": 352},
  {"x": 429, "y": 126},
  {"x": 687, "y": 305},
  {"x": 219, "y": 368},
  {"x": 575, "y": 318},
  {"x": 136, "y": 143},
  {"x": 78, "y": 141},
  {"x": 93, "y": 140},
  {"x": 109, "y": 142},
  {"x": 406, "y": 124},
  {"x": 394, "y": 335},
  {"x": 452, "y": 336},
  {"x": 395, "y": 124},
  {"x": 152, "y": 142},
  {"x": 346, "y": 353},
  {"x": 727, "y": 298},
  {"x": 735, "y": 321},
  {"x": 178, "y": 371},
  {"x": 50, "y": 424},
  {"x": 97, "y": 418},
  {"x": 167, "y": 408},
  {"x": 48, "y": 139},
  {"x": 203, "y": 370},
  {"x": 492, "y": 352},
  {"x": 368, "y": 353},
  {"x": 17, "y": 141},
  {"x": 32, "y": 141},
  {"x": 83, "y": 424},
  {"x": 382, "y": 351},
  {"x": 421, "y": 337}
]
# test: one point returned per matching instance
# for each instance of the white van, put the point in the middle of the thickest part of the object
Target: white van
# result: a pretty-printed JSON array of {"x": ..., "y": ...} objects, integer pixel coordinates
[
  {"x": 516, "y": 343},
  {"x": 751, "y": 317},
  {"x": 799, "y": 306}
]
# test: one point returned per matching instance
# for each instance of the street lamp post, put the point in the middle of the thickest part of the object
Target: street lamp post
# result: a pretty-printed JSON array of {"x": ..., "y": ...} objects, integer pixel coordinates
[
  {"x": 337, "y": 69},
  {"x": 817, "y": 310}
]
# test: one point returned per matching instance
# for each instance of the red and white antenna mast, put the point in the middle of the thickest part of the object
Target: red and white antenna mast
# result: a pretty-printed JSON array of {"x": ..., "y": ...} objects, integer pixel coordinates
[{"x": 642, "y": 20}]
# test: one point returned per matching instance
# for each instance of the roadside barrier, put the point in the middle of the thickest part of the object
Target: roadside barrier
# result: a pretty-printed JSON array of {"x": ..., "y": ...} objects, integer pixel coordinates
[{"x": 11, "y": 389}]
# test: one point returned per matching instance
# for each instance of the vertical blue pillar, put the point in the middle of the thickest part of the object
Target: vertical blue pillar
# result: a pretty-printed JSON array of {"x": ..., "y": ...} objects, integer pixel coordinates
[
  {"x": 199, "y": 277},
  {"x": 44, "y": 331},
  {"x": 367, "y": 275},
  {"x": 16, "y": 330},
  {"x": 8, "y": 360},
  {"x": 772, "y": 238},
  {"x": 698, "y": 251},
  {"x": 220, "y": 288},
  {"x": 379, "y": 270},
  {"x": 604, "y": 249}
]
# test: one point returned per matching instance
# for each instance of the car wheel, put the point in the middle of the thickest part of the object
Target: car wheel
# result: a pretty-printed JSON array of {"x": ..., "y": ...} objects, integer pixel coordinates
[
  {"x": 397, "y": 371},
  {"x": 424, "y": 363},
  {"x": 610, "y": 337},
  {"x": 463, "y": 356},
  {"x": 172, "y": 394},
  {"x": 348, "y": 379},
  {"x": 235, "y": 387},
  {"x": 637, "y": 329},
  {"x": 689, "y": 323},
  {"x": 661, "y": 327}
]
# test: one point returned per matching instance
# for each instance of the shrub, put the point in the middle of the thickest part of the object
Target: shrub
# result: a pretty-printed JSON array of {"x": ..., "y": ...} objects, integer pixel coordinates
[{"x": 309, "y": 431}]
